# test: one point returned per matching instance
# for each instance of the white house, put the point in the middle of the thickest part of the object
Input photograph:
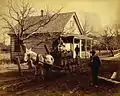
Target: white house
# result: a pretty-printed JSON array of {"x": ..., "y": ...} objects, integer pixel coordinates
[{"x": 65, "y": 26}]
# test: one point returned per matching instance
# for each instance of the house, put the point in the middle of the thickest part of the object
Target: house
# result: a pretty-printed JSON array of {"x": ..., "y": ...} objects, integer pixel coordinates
[
  {"x": 65, "y": 26},
  {"x": 4, "y": 48}
]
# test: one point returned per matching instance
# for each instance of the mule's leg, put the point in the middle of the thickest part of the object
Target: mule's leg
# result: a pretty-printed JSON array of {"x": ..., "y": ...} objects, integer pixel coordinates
[
  {"x": 35, "y": 69},
  {"x": 42, "y": 72},
  {"x": 46, "y": 68}
]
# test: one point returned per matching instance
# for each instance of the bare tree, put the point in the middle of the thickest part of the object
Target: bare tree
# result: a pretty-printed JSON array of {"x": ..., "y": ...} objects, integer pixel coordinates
[
  {"x": 117, "y": 34},
  {"x": 87, "y": 27},
  {"x": 108, "y": 39},
  {"x": 17, "y": 18}
]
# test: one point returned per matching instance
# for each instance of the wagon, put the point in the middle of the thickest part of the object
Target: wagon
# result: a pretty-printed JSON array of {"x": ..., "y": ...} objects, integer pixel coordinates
[{"x": 67, "y": 58}]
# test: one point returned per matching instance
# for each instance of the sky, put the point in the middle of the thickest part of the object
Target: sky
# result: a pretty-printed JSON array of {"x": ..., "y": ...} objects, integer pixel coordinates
[
  {"x": 105, "y": 9},
  {"x": 100, "y": 12}
]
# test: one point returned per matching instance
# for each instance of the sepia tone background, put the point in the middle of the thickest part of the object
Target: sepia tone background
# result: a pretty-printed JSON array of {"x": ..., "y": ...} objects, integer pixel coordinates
[{"x": 99, "y": 12}]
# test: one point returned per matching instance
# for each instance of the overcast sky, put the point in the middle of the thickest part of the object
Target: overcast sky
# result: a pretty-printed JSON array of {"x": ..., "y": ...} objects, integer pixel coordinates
[{"x": 103, "y": 11}]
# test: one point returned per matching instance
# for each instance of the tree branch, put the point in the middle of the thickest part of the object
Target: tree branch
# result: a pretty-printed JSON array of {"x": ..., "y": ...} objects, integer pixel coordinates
[
  {"x": 86, "y": 27},
  {"x": 13, "y": 9},
  {"x": 47, "y": 21},
  {"x": 10, "y": 26}
]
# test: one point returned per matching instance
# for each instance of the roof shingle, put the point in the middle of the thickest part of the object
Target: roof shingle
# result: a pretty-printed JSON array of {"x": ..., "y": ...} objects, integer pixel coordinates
[{"x": 55, "y": 25}]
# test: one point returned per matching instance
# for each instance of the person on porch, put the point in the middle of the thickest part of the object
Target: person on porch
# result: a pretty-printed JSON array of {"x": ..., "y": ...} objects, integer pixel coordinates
[{"x": 77, "y": 50}]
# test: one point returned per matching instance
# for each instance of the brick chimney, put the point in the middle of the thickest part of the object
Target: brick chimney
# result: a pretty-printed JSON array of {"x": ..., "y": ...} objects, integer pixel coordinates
[{"x": 41, "y": 13}]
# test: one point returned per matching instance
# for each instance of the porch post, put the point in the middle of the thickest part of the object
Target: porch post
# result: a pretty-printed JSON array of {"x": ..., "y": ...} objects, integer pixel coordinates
[
  {"x": 73, "y": 48},
  {"x": 80, "y": 46},
  {"x": 91, "y": 43},
  {"x": 85, "y": 47}
]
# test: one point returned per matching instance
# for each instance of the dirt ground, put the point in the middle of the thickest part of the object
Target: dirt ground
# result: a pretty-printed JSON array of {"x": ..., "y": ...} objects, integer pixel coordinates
[
  {"x": 74, "y": 84},
  {"x": 58, "y": 84}
]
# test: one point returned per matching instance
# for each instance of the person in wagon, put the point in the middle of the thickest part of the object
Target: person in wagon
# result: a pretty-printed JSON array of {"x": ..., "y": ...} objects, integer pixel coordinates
[
  {"x": 95, "y": 64},
  {"x": 61, "y": 46}
]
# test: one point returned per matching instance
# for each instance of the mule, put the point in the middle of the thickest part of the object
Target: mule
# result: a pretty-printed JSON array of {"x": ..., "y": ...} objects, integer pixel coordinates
[
  {"x": 38, "y": 61},
  {"x": 34, "y": 60}
]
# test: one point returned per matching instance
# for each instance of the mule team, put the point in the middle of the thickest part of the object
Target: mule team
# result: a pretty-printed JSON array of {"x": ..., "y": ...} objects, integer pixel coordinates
[
  {"x": 40, "y": 63},
  {"x": 43, "y": 63}
]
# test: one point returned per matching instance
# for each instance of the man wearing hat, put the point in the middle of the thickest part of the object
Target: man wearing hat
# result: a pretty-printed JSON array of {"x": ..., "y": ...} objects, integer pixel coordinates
[{"x": 95, "y": 66}]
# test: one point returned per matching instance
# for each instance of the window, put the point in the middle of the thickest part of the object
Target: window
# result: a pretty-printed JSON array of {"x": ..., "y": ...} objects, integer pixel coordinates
[
  {"x": 16, "y": 45},
  {"x": 71, "y": 23}
]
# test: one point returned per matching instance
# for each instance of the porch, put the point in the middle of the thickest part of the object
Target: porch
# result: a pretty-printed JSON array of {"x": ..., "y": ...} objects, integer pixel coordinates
[{"x": 72, "y": 40}]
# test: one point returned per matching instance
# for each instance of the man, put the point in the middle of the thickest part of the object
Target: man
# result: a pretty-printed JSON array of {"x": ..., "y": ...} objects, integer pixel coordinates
[
  {"x": 95, "y": 66},
  {"x": 77, "y": 50}
]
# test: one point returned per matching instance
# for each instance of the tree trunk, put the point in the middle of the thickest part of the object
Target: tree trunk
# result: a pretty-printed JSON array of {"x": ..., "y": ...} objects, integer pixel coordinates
[
  {"x": 19, "y": 67},
  {"x": 111, "y": 51},
  {"x": 107, "y": 49}
]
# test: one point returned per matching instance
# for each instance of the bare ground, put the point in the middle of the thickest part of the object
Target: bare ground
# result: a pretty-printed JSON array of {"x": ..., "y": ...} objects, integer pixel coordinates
[{"x": 58, "y": 84}]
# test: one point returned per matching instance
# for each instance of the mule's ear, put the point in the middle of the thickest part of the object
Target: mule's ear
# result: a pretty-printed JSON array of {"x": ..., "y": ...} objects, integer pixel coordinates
[
  {"x": 27, "y": 50},
  {"x": 30, "y": 49}
]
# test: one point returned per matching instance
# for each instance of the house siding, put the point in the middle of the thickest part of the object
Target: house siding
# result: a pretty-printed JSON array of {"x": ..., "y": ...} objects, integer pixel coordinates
[
  {"x": 65, "y": 23},
  {"x": 71, "y": 27},
  {"x": 36, "y": 46},
  {"x": 32, "y": 43},
  {"x": 14, "y": 54}
]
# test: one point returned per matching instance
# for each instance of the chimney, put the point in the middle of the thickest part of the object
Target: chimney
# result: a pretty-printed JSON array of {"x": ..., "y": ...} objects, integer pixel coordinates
[{"x": 41, "y": 13}]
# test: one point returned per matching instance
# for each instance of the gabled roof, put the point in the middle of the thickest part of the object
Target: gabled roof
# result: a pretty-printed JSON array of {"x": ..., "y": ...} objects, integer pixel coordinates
[{"x": 55, "y": 25}]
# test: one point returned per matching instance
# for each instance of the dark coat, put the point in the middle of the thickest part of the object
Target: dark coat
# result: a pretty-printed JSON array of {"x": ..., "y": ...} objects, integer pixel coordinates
[
  {"x": 77, "y": 50},
  {"x": 95, "y": 62}
]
